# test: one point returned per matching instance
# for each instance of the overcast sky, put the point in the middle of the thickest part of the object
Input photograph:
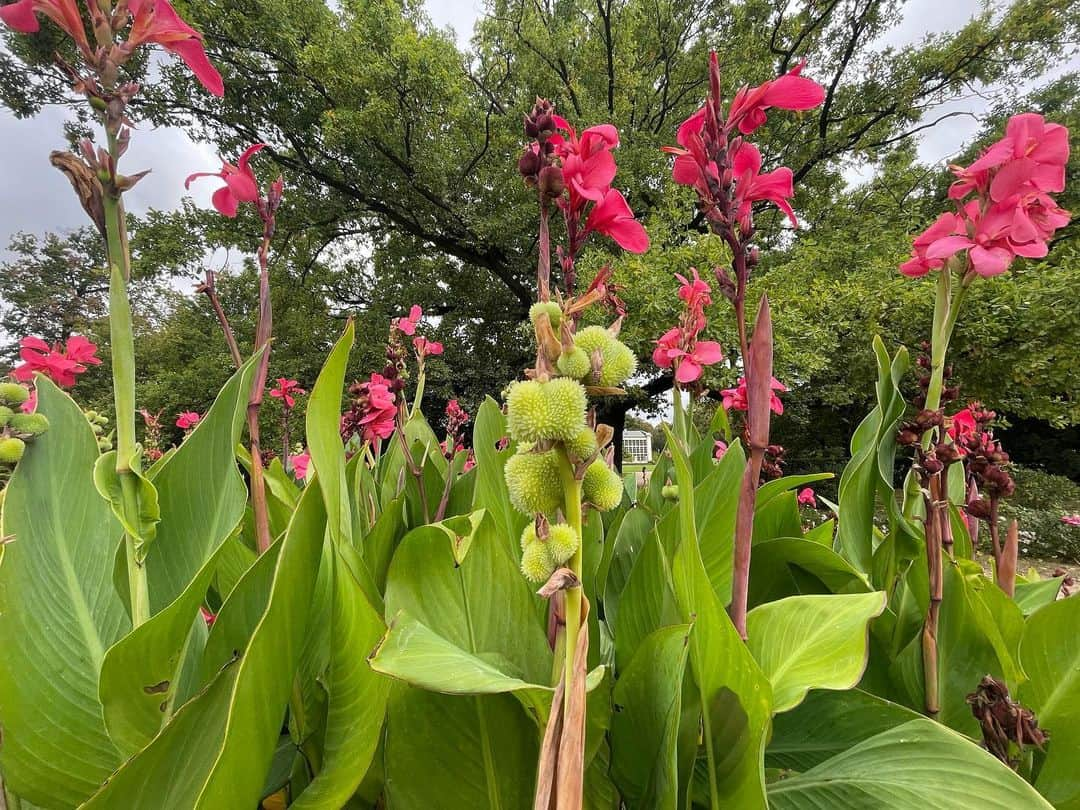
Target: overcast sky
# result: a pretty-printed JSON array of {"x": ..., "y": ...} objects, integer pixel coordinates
[{"x": 35, "y": 197}]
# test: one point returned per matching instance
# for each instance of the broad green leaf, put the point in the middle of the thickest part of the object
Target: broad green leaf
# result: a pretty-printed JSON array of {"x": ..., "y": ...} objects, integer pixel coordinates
[
  {"x": 200, "y": 509},
  {"x": 828, "y": 723},
  {"x": 490, "y": 492},
  {"x": 770, "y": 489},
  {"x": 793, "y": 566},
  {"x": 812, "y": 642},
  {"x": 357, "y": 696},
  {"x": 140, "y": 517},
  {"x": 59, "y": 612},
  {"x": 1033, "y": 596},
  {"x": 460, "y": 581},
  {"x": 201, "y": 493},
  {"x": 413, "y": 653},
  {"x": 918, "y": 764},
  {"x": 647, "y": 602},
  {"x": 633, "y": 532},
  {"x": 734, "y": 694},
  {"x": 779, "y": 517},
  {"x": 645, "y": 725},
  {"x": 870, "y": 469},
  {"x": 234, "y": 559},
  {"x": 323, "y": 424},
  {"x": 476, "y": 751},
  {"x": 217, "y": 749},
  {"x": 1050, "y": 655}
]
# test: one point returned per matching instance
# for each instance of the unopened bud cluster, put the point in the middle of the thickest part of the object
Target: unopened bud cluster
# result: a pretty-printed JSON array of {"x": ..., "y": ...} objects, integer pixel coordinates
[{"x": 17, "y": 428}]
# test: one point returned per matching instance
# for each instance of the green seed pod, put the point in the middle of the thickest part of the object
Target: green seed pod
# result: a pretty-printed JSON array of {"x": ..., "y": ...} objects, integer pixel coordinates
[
  {"x": 28, "y": 424},
  {"x": 536, "y": 562},
  {"x": 13, "y": 393},
  {"x": 562, "y": 543},
  {"x": 533, "y": 482},
  {"x": 553, "y": 310},
  {"x": 619, "y": 364},
  {"x": 5, "y": 414},
  {"x": 11, "y": 450},
  {"x": 104, "y": 444},
  {"x": 670, "y": 492},
  {"x": 528, "y": 535},
  {"x": 583, "y": 444},
  {"x": 575, "y": 363},
  {"x": 602, "y": 486},
  {"x": 551, "y": 410}
]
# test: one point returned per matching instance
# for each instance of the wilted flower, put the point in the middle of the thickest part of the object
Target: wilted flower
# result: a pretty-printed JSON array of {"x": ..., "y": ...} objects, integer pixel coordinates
[
  {"x": 59, "y": 365},
  {"x": 240, "y": 186}
]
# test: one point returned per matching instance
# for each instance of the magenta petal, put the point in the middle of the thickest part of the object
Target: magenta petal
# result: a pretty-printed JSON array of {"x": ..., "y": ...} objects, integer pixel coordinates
[
  {"x": 688, "y": 370},
  {"x": 708, "y": 352},
  {"x": 990, "y": 262},
  {"x": 20, "y": 17},
  {"x": 793, "y": 93},
  {"x": 242, "y": 186},
  {"x": 191, "y": 51},
  {"x": 948, "y": 246},
  {"x": 225, "y": 202}
]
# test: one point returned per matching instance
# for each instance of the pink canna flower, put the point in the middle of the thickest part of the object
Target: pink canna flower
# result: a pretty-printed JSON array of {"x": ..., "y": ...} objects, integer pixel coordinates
[
  {"x": 61, "y": 366},
  {"x": 31, "y": 404},
  {"x": 186, "y": 420},
  {"x": 1071, "y": 520},
  {"x": 299, "y": 464},
  {"x": 426, "y": 348},
  {"x": 962, "y": 425},
  {"x": 919, "y": 264},
  {"x": 240, "y": 182},
  {"x": 587, "y": 163},
  {"x": 688, "y": 364},
  {"x": 751, "y": 186},
  {"x": 379, "y": 409},
  {"x": 157, "y": 21},
  {"x": 408, "y": 324},
  {"x": 207, "y": 616},
  {"x": 720, "y": 447},
  {"x": 287, "y": 391},
  {"x": 470, "y": 462},
  {"x": 612, "y": 217},
  {"x": 791, "y": 91},
  {"x": 735, "y": 399},
  {"x": 806, "y": 497}
]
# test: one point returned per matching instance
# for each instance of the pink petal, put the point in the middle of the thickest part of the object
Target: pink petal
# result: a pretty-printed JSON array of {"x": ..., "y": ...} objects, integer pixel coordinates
[
  {"x": 948, "y": 246},
  {"x": 224, "y": 201},
  {"x": 691, "y": 126},
  {"x": 990, "y": 262},
  {"x": 191, "y": 51},
  {"x": 20, "y": 17},
  {"x": 793, "y": 93},
  {"x": 242, "y": 186},
  {"x": 688, "y": 370},
  {"x": 708, "y": 352}
]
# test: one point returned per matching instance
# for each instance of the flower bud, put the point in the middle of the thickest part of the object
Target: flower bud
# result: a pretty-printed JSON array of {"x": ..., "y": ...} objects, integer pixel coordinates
[
  {"x": 11, "y": 450},
  {"x": 602, "y": 486},
  {"x": 529, "y": 164},
  {"x": 13, "y": 393},
  {"x": 532, "y": 480},
  {"x": 28, "y": 424}
]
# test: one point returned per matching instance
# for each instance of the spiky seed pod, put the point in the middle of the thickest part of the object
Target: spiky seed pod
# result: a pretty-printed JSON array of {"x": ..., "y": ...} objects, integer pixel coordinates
[
  {"x": 583, "y": 445},
  {"x": 618, "y": 362},
  {"x": 11, "y": 450},
  {"x": 574, "y": 364},
  {"x": 28, "y": 424},
  {"x": 533, "y": 482},
  {"x": 536, "y": 562},
  {"x": 551, "y": 410},
  {"x": 553, "y": 311},
  {"x": 566, "y": 401},
  {"x": 5, "y": 414},
  {"x": 528, "y": 535},
  {"x": 13, "y": 393},
  {"x": 602, "y": 486},
  {"x": 562, "y": 543}
]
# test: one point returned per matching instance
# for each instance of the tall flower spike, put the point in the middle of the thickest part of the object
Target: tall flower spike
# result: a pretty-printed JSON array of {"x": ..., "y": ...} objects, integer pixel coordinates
[{"x": 240, "y": 183}]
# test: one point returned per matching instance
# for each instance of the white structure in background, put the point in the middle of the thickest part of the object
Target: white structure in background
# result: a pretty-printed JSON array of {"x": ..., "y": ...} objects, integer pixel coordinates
[{"x": 636, "y": 447}]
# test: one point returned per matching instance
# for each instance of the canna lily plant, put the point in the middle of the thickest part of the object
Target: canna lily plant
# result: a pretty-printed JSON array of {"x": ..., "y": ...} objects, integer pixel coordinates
[{"x": 391, "y": 614}]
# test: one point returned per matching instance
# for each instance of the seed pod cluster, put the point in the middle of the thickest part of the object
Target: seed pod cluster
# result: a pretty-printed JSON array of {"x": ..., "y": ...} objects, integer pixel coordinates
[{"x": 17, "y": 428}]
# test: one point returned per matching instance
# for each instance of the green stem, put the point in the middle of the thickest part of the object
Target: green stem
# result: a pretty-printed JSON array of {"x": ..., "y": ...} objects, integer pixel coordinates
[
  {"x": 572, "y": 508},
  {"x": 679, "y": 418},
  {"x": 420, "y": 380},
  {"x": 122, "y": 346}
]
